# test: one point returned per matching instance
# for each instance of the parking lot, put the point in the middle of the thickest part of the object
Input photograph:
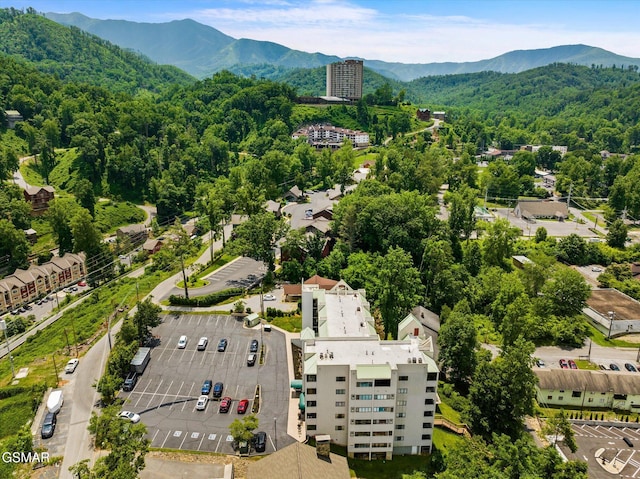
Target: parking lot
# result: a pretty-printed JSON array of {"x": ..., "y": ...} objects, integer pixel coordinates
[
  {"x": 165, "y": 395},
  {"x": 604, "y": 449}
]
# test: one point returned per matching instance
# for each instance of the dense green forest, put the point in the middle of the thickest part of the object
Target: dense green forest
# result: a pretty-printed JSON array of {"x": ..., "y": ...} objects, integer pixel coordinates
[{"x": 223, "y": 145}]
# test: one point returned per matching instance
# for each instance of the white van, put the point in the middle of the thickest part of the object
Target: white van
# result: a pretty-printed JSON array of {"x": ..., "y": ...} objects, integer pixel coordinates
[
  {"x": 202, "y": 344},
  {"x": 182, "y": 342}
]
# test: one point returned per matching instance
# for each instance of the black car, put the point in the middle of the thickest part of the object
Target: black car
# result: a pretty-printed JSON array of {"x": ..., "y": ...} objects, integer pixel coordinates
[
  {"x": 260, "y": 441},
  {"x": 222, "y": 345},
  {"x": 253, "y": 347},
  {"x": 628, "y": 441},
  {"x": 614, "y": 367},
  {"x": 48, "y": 426},
  {"x": 217, "y": 390}
]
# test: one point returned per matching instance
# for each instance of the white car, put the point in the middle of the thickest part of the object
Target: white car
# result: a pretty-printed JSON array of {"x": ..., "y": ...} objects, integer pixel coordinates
[
  {"x": 596, "y": 269},
  {"x": 202, "y": 403},
  {"x": 269, "y": 297},
  {"x": 131, "y": 416},
  {"x": 182, "y": 342},
  {"x": 71, "y": 365}
]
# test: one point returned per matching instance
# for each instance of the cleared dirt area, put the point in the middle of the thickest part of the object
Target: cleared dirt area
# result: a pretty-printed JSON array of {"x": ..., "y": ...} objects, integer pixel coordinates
[{"x": 605, "y": 300}]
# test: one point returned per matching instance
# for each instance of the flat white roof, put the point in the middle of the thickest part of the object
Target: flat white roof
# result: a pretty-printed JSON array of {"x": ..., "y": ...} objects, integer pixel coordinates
[{"x": 345, "y": 316}]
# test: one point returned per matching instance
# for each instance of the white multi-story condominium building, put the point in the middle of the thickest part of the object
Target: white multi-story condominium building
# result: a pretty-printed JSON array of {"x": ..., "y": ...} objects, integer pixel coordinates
[
  {"x": 344, "y": 79},
  {"x": 324, "y": 135},
  {"x": 375, "y": 397}
]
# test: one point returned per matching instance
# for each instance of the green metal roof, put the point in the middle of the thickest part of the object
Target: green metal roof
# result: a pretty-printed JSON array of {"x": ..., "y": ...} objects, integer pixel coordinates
[{"x": 373, "y": 371}]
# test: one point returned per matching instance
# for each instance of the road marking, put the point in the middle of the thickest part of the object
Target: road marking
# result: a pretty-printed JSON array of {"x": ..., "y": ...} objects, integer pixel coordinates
[
  {"x": 183, "y": 439},
  {"x": 212, "y": 437},
  {"x": 176, "y": 396},
  {"x": 218, "y": 445},
  {"x": 165, "y": 396},
  {"x": 195, "y": 435},
  {"x": 185, "y": 403},
  {"x": 229, "y": 438},
  {"x": 156, "y": 391},
  {"x": 165, "y": 439},
  {"x": 141, "y": 394},
  {"x": 154, "y": 436},
  {"x": 200, "y": 445},
  {"x": 177, "y": 433}
]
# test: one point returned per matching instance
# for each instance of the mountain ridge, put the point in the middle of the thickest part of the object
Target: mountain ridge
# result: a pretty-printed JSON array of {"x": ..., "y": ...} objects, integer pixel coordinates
[{"x": 202, "y": 50}]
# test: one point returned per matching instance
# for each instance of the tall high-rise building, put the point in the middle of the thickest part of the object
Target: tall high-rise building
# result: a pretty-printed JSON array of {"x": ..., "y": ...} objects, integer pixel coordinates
[{"x": 344, "y": 79}]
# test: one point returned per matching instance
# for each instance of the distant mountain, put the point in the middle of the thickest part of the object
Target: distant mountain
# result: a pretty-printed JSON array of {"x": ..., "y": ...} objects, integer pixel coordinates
[
  {"x": 202, "y": 50},
  {"x": 74, "y": 55}
]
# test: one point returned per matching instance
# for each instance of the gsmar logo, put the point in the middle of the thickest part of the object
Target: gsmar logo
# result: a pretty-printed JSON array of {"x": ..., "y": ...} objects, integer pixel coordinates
[{"x": 24, "y": 457}]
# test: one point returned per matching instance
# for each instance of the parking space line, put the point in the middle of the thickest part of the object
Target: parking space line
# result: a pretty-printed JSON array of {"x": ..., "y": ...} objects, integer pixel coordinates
[
  {"x": 588, "y": 431},
  {"x": 142, "y": 394},
  {"x": 188, "y": 395},
  {"x": 193, "y": 355},
  {"x": 171, "y": 355},
  {"x": 272, "y": 444},
  {"x": 632, "y": 432},
  {"x": 154, "y": 436},
  {"x": 154, "y": 393},
  {"x": 200, "y": 445},
  {"x": 165, "y": 439},
  {"x": 165, "y": 396},
  {"x": 176, "y": 396},
  {"x": 219, "y": 440},
  {"x": 184, "y": 439}
]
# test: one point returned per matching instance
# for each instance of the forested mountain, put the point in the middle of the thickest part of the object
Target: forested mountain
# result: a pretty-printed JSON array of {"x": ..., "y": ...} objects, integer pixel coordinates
[
  {"x": 74, "y": 55},
  {"x": 202, "y": 50}
]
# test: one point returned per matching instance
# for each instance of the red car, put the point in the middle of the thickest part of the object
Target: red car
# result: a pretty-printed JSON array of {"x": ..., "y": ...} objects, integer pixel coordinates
[
  {"x": 572, "y": 364},
  {"x": 242, "y": 406},
  {"x": 564, "y": 364},
  {"x": 225, "y": 404},
  {"x": 82, "y": 283}
]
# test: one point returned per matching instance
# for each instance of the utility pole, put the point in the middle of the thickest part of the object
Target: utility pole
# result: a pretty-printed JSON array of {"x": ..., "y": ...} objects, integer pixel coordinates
[
  {"x": 55, "y": 367},
  {"x": 184, "y": 278}
]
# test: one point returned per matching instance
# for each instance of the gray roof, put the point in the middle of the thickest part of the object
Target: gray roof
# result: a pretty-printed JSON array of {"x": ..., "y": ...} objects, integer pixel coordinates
[
  {"x": 586, "y": 380},
  {"x": 427, "y": 318},
  {"x": 132, "y": 229},
  {"x": 34, "y": 190},
  {"x": 299, "y": 461},
  {"x": 543, "y": 208}
]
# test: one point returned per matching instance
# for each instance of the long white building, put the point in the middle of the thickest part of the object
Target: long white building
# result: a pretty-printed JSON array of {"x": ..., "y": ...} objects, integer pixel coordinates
[{"x": 377, "y": 398}]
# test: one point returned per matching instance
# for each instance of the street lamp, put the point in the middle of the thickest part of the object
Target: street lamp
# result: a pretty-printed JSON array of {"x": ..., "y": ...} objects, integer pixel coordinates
[
  {"x": 275, "y": 433},
  {"x": 3, "y": 327}
]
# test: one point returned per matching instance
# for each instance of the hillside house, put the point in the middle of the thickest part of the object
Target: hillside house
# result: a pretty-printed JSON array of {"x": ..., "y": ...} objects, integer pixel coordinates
[
  {"x": 12, "y": 117},
  {"x": 134, "y": 233},
  {"x": 535, "y": 209},
  {"x": 152, "y": 246},
  {"x": 39, "y": 197}
]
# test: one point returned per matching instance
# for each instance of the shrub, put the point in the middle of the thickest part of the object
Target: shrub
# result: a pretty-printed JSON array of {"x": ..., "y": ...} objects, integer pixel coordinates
[{"x": 208, "y": 300}]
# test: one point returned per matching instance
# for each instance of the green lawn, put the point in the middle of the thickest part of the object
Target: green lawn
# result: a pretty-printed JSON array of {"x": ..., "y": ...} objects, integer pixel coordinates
[
  {"x": 583, "y": 364},
  {"x": 444, "y": 440},
  {"x": 110, "y": 215},
  {"x": 601, "y": 340},
  {"x": 448, "y": 412},
  {"x": 293, "y": 324}
]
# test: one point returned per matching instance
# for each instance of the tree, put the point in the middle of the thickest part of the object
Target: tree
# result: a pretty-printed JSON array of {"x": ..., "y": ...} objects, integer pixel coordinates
[
  {"x": 458, "y": 343},
  {"x": 503, "y": 392},
  {"x": 541, "y": 234},
  {"x": 498, "y": 245},
  {"x": 147, "y": 316},
  {"x": 566, "y": 292},
  {"x": 558, "y": 425},
  {"x": 14, "y": 247},
  {"x": 83, "y": 192},
  {"x": 573, "y": 250},
  {"x": 462, "y": 220},
  {"x": 397, "y": 288},
  {"x": 257, "y": 237},
  {"x": 85, "y": 235},
  {"x": 242, "y": 430},
  {"x": 617, "y": 235},
  {"x": 59, "y": 215}
]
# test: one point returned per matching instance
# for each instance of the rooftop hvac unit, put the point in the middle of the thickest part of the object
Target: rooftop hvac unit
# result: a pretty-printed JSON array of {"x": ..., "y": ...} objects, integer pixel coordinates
[
  {"x": 413, "y": 360},
  {"x": 321, "y": 356},
  {"x": 409, "y": 360},
  {"x": 420, "y": 360},
  {"x": 331, "y": 355}
]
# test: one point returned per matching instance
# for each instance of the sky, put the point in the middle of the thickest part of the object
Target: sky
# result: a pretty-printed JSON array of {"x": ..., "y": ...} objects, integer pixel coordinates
[{"x": 407, "y": 31}]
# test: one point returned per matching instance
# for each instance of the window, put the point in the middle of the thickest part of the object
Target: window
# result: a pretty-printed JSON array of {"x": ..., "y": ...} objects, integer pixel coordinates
[
  {"x": 383, "y": 382},
  {"x": 430, "y": 389},
  {"x": 311, "y": 403},
  {"x": 364, "y": 384},
  {"x": 620, "y": 397},
  {"x": 560, "y": 398},
  {"x": 428, "y": 413},
  {"x": 311, "y": 427},
  {"x": 428, "y": 401},
  {"x": 549, "y": 397},
  {"x": 340, "y": 379},
  {"x": 380, "y": 444},
  {"x": 311, "y": 391},
  {"x": 382, "y": 397},
  {"x": 311, "y": 415},
  {"x": 432, "y": 376},
  {"x": 382, "y": 433},
  {"x": 402, "y": 403},
  {"x": 361, "y": 397},
  {"x": 399, "y": 426},
  {"x": 382, "y": 421},
  {"x": 562, "y": 390},
  {"x": 591, "y": 400},
  {"x": 361, "y": 446},
  {"x": 340, "y": 391},
  {"x": 311, "y": 378},
  {"x": 427, "y": 425},
  {"x": 340, "y": 403},
  {"x": 361, "y": 434},
  {"x": 340, "y": 416},
  {"x": 362, "y": 421},
  {"x": 399, "y": 438},
  {"x": 382, "y": 409},
  {"x": 339, "y": 428},
  {"x": 401, "y": 414},
  {"x": 403, "y": 378},
  {"x": 403, "y": 390},
  {"x": 360, "y": 409},
  {"x": 425, "y": 437},
  {"x": 576, "y": 394}
]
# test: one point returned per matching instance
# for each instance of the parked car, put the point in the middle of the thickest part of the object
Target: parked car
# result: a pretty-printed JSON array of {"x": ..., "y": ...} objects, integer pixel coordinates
[
  {"x": 206, "y": 387},
  {"x": 202, "y": 344},
  {"x": 253, "y": 347},
  {"x": 251, "y": 359},
  {"x": 225, "y": 404},
  {"x": 71, "y": 366},
  {"x": 540, "y": 363},
  {"x": 222, "y": 345},
  {"x": 627, "y": 441},
  {"x": 630, "y": 367},
  {"x": 269, "y": 297},
  {"x": 82, "y": 284},
  {"x": 202, "y": 403},
  {"x": 131, "y": 416},
  {"x": 596, "y": 269},
  {"x": 48, "y": 426},
  {"x": 217, "y": 389},
  {"x": 572, "y": 364},
  {"x": 260, "y": 441},
  {"x": 130, "y": 381},
  {"x": 564, "y": 364},
  {"x": 243, "y": 405},
  {"x": 182, "y": 342},
  {"x": 602, "y": 366},
  {"x": 614, "y": 367}
]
